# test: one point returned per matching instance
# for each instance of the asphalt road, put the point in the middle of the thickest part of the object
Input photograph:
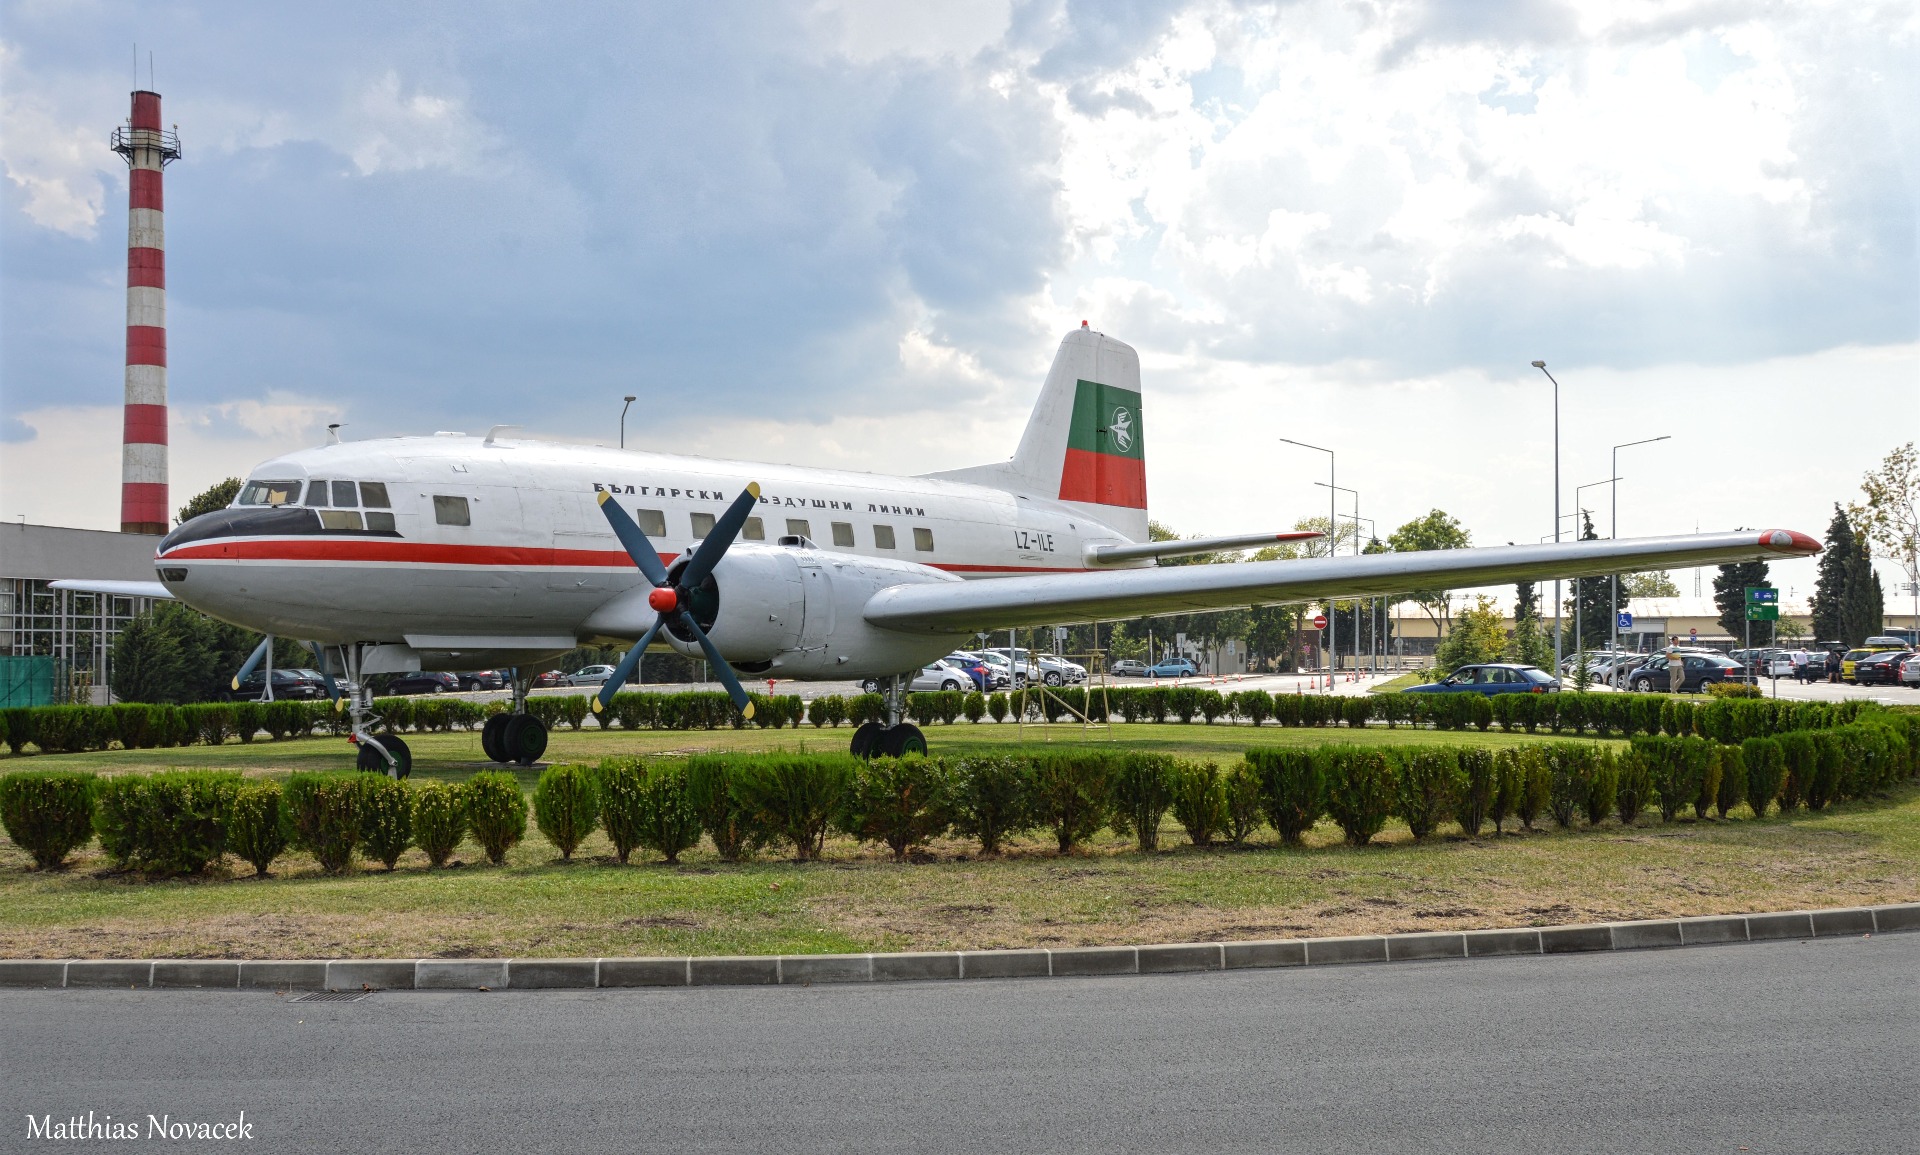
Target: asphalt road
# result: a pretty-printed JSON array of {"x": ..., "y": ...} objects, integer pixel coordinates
[{"x": 1779, "y": 1047}]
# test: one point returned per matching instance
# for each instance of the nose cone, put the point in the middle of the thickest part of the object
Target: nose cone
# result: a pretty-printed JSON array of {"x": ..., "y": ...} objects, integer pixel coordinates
[
  {"x": 663, "y": 600},
  {"x": 1789, "y": 541}
]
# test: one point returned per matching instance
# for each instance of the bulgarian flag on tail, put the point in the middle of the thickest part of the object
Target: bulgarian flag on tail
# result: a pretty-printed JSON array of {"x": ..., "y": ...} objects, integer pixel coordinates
[{"x": 1106, "y": 453}]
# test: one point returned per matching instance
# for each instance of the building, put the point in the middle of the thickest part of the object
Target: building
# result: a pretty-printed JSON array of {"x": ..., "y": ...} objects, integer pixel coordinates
[
  {"x": 1657, "y": 622},
  {"x": 57, "y": 645}
]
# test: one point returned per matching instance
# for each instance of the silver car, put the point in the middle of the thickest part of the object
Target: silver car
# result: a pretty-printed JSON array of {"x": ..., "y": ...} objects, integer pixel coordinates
[
  {"x": 590, "y": 676},
  {"x": 941, "y": 675}
]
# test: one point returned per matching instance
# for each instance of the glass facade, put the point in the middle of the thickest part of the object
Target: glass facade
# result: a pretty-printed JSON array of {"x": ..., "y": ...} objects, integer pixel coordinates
[{"x": 76, "y": 630}]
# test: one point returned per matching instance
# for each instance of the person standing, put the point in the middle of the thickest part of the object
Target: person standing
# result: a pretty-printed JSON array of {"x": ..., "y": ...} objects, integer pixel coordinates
[
  {"x": 1833, "y": 665},
  {"x": 1676, "y": 672}
]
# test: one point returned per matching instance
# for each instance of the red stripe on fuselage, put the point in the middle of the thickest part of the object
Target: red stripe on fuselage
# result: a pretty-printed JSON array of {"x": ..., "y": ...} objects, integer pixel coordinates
[
  {"x": 1103, "y": 479},
  {"x": 425, "y": 553}
]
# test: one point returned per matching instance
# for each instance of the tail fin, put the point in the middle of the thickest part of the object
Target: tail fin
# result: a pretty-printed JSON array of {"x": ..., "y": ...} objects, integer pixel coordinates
[{"x": 1084, "y": 443}]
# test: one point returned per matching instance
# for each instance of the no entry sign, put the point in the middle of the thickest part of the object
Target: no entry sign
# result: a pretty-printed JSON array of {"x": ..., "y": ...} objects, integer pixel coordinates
[{"x": 1319, "y": 621}]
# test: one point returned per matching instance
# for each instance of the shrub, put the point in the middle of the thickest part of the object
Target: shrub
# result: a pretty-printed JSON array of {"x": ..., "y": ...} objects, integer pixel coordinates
[
  {"x": 1728, "y": 690},
  {"x": 566, "y": 806},
  {"x": 256, "y": 824},
  {"x": 1070, "y": 794},
  {"x": 975, "y": 707},
  {"x": 1633, "y": 786},
  {"x": 1674, "y": 785},
  {"x": 439, "y": 819},
  {"x": 1533, "y": 784},
  {"x": 901, "y": 802},
  {"x": 1704, "y": 769},
  {"x": 1356, "y": 710},
  {"x": 1474, "y": 787},
  {"x": 863, "y": 708},
  {"x": 386, "y": 819},
  {"x": 323, "y": 817},
  {"x": 795, "y": 796},
  {"x": 1602, "y": 784},
  {"x": 1143, "y": 786},
  {"x": 1360, "y": 786},
  {"x": 1565, "y": 777},
  {"x": 634, "y": 710},
  {"x": 1424, "y": 788},
  {"x": 1765, "y": 767},
  {"x": 619, "y": 782},
  {"x": 1292, "y": 790},
  {"x": 830, "y": 709},
  {"x": 663, "y": 816},
  {"x": 168, "y": 823},
  {"x": 723, "y": 812},
  {"x": 19, "y": 724},
  {"x": 997, "y": 706},
  {"x": 1256, "y": 706},
  {"x": 992, "y": 798},
  {"x": 1823, "y": 787},
  {"x": 1801, "y": 761},
  {"x": 1506, "y": 786},
  {"x": 1244, "y": 802},
  {"x": 1199, "y": 800},
  {"x": 496, "y": 812},
  {"x": 48, "y": 813},
  {"x": 1732, "y": 789},
  {"x": 920, "y": 708}
]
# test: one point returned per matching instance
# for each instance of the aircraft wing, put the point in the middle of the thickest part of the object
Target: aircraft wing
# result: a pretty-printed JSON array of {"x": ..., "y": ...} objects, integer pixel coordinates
[
  {"x": 118, "y": 589},
  {"x": 1061, "y": 599}
]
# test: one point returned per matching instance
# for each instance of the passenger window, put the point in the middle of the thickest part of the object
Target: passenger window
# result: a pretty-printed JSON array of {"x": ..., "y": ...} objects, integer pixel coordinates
[
  {"x": 451, "y": 510},
  {"x": 923, "y": 539},
  {"x": 883, "y": 537},
  {"x": 341, "y": 519},
  {"x": 373, "y": 495},
  {"x": 843, "y": 534},
  {"x": 344, "y": 496},
  {"x": 317, "y": 494},
  {"x": 652, "y": 522},
  {"x": 798, "y": 527},
  {"x": 702, "y": 526},
  {"x": 382, "y": 522},
  {"x": 754, "y": 530}
]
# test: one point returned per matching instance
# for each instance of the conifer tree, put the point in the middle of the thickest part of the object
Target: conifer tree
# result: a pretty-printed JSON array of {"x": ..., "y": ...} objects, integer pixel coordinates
[
  {"x": 1830, "y": 589},
  {"x": 1863, "y": 608},
  {"x": 1730, "y": 594}
]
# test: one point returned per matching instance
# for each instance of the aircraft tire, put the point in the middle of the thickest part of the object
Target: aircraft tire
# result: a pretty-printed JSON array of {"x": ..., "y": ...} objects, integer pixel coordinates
[
  {"x": 903, "y": 739},
  {"x": 525, "y": 739},
  {"x": 370, "y": 759},
  {"x": 867, "y": 740},
  {"x": 493, "y": 737}
]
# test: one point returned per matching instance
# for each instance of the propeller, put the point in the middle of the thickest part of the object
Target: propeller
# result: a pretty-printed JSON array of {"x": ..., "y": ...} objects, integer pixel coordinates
[
  {"x": 669, "y": 598},
  {"x": 259, "y": 652}
]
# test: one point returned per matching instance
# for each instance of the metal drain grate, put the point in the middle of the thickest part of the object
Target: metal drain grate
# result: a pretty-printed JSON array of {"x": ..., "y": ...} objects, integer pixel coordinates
[{"x": 332, "y": 996}]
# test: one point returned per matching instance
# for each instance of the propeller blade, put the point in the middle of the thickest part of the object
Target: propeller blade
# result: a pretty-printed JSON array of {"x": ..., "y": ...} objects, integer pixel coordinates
[
  {"x": 638, "y": 547},
  {"x": 720, "y": 667},
  {"x": 259, "y": 651},
  {"x": 724, "y": 531},
  {"x": 625, "y": 669}
]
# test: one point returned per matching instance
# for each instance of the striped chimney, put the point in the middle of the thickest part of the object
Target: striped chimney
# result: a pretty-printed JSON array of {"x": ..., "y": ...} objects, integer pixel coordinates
[{"x": 143, "y": 462}]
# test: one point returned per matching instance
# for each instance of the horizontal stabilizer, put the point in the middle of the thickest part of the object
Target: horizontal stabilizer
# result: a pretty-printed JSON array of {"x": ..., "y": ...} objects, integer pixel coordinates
[
  {"x": 113, "y": 588},
  {"x": 1114, "y": 554}
]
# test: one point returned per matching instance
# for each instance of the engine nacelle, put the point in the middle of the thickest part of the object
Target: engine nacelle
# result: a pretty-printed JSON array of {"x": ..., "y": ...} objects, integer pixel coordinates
[{"x": 788, "y": 611}]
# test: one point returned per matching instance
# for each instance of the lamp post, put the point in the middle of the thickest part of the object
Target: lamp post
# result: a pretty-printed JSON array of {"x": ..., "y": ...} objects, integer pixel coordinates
[
  {"x": 1542, "y": 366},
  {"x": 623, "y": 421},
  {"x": 1356, "y": 553},
  {"x": 1613, "y": 531},
  {"x": 1333, "y": 641},
  {"x": 1579, "y": 647},
  {"x": 1373, "y": 603}
]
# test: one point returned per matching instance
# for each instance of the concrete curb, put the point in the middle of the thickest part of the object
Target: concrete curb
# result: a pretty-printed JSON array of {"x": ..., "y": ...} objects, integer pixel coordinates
[{"x": 929, "y": 966}]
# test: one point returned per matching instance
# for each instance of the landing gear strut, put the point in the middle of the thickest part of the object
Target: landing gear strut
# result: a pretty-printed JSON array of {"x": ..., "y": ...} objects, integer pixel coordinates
[
  {"x": 387, "y": 753},
  {"x": 516, "y": 737},
  {"x": 896, "y": 738}
]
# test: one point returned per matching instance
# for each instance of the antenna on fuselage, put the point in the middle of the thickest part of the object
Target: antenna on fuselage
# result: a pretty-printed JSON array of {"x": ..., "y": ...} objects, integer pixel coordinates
[
  {"x": 333, "y": 432},
  {"x": 495, "y": 432}
]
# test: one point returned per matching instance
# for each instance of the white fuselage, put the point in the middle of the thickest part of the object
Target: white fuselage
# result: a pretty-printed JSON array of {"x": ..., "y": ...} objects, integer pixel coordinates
[{"x": 535, "y": 564}]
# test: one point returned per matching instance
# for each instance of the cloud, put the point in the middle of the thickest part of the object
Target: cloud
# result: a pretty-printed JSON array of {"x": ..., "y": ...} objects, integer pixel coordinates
[
  {"x": 58, "y": 165},
  {"x": 12, "y": 429}
]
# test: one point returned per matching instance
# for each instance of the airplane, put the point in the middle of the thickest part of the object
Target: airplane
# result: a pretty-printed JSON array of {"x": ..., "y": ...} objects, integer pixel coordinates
[{"x": 463, "y": 552}]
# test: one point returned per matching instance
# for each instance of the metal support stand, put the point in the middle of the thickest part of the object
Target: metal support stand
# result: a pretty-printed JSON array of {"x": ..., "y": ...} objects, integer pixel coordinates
[{"x": 360, "y": 715}]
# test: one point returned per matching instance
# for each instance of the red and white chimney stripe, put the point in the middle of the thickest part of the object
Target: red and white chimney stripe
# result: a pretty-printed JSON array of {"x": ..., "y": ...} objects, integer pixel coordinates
[{"x": 143, "y": 465}]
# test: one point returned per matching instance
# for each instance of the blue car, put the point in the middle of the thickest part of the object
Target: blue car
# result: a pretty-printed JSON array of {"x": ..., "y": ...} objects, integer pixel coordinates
[
  {"x": 1173, "y": 668},
  {"x": 1495, "y": 678}
]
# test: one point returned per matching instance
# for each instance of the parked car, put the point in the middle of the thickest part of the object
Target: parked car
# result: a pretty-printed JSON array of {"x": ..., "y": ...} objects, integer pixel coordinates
[
  {"x": 305, "y": 684},
  {"x": 1881, "y": 669},
  {"x": 1044, "y": 667},
  {"x": 1173, "y": 668},
  {"x": 941, "y": 674},
  {"x": 547, "y": 679},
  {"x": 1129, "y": 668},
  {"x": 1004, "y": 672},
  {"x": 1701, "y": 670},
  {"x": 422, "y": 682},
  {"x": 483, "y": 680},
  {"x": 1910, "y": 671},
  {"x": 1493, "y": 678},
  {"x": 590, "y": 676},
  {"x": 982, "y": 674}
]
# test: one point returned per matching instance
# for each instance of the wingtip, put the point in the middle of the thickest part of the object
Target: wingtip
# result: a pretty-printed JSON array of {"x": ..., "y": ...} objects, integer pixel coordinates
[{"x": 1789, "y": 541}]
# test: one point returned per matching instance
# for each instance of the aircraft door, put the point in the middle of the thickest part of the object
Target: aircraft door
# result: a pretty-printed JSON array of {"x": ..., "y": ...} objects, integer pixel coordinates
[{"x": 817, "y": 583}]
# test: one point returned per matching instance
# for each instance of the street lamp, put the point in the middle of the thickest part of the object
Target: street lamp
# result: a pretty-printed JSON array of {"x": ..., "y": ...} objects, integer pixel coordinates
[
  {"x": 1333, "y": 641},
  {"x": 623, "y": 421},
  {"x": 1356, "y": 553},
  {"x": 1579, "y": 646},
  {"x": 1542, "y": 366},
  {"x": 1613, "y": 532}
]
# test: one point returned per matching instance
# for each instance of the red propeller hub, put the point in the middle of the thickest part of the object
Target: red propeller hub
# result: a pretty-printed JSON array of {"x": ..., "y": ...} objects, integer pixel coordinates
[{"x": 663, "y": 600}]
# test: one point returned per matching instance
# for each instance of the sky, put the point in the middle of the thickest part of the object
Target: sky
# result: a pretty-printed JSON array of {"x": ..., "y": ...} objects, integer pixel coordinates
[{"x": 851, "y": 233}]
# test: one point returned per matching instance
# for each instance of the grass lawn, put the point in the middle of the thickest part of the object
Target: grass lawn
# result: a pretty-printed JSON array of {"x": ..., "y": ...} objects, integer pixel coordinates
[{"x": 856, "y": 900}]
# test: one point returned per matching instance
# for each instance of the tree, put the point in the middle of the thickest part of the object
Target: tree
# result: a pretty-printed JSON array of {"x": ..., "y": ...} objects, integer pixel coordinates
[
  {"x": 217, "y": 496},
  {"x": 1479, "y": 635},
  {"x": 1864, "y": 609},
  {"x": 1891, "y": 517},
  {"x": 1730, "y": 594},
  {"x": 1830, "y": 588},
  {"x": 174, "y": 654},
  {"x": 1529, "y": 644},
  {"x": 1434, "y": 530},
  {"x": 1656, "y": 584},
  {"x": 1590, "y": 603}
]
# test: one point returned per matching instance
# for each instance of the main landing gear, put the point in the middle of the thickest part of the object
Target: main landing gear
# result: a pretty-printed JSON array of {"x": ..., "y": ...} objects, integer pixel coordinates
[
  {"x": 517, "y": 737},
  {"x": 895, "y": 738}
]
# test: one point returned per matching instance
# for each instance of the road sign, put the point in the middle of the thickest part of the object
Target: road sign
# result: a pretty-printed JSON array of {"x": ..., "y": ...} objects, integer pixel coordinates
[
  {"x": 1757, "y": 595},
  {"x": 1319, "y": 621},
  {"x": 1763, "y": 613},
  {"x": 1693, "y": 633},
  {"x": 1626, "y": 621}
]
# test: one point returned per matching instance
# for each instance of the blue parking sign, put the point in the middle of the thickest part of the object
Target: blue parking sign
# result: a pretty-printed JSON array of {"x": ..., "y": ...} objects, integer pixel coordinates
[{"x": 1626, "y": 621}]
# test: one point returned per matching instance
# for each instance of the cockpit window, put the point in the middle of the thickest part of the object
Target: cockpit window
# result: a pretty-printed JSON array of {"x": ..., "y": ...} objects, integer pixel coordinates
[
  {"x": 317, "y": 495},
  {"x": 270, "y": 493},
  {"x": 373, "y": 495},
  {"x": 344, "y": 496}
]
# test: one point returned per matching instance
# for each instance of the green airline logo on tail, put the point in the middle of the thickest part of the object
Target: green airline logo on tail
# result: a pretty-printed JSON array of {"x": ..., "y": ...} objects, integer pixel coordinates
[{"x": 1106, "y": 420}]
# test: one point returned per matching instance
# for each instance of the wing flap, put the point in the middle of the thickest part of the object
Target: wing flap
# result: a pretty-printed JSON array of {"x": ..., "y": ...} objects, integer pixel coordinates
[{"x": 1062, "y": 599}]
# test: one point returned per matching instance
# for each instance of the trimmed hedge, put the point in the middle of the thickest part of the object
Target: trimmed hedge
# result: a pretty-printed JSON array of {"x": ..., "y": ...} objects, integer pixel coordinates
[
  {"x": 439, "y": 819},
  {"x": 48, "y": 813},
  {"x": 257, "y": 824},
  {"x": 566, "y": 806},
  {"x": 172, "y": 822},
  {"x": 323, "y": 816}
]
